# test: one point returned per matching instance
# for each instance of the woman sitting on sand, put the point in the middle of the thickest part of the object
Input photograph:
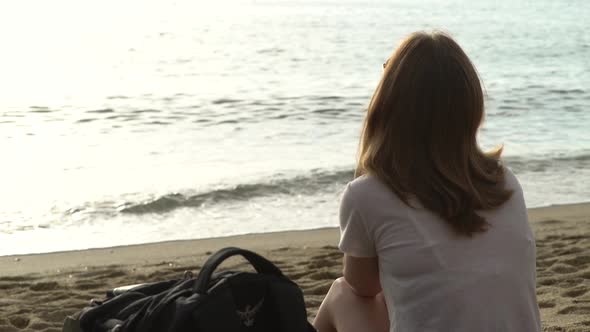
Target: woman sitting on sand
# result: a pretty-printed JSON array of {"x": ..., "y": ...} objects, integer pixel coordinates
[{"x": 434, "y": 231}]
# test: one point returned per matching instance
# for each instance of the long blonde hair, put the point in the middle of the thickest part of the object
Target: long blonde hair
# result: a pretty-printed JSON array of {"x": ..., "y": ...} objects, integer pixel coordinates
[{"x": 419, "y": 134}]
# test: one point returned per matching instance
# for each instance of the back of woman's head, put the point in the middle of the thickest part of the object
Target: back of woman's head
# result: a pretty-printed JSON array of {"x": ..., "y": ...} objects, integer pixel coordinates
[{"x": 419, "y": 135}]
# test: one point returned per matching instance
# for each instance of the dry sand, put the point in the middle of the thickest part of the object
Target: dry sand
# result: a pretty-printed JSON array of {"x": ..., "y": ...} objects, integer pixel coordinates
[{"x": 38, "y": 291}]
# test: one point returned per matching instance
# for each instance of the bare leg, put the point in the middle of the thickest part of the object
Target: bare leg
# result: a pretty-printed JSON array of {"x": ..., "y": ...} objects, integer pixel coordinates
[{"x": 344, "y": 311}]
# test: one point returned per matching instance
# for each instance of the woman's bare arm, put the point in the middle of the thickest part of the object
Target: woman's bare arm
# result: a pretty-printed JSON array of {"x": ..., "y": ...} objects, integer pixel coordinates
[{"x": 362, "y": 274}]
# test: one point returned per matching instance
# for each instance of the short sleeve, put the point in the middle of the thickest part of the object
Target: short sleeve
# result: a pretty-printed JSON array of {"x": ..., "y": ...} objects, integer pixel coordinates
[{"x": 354, "y": 238}]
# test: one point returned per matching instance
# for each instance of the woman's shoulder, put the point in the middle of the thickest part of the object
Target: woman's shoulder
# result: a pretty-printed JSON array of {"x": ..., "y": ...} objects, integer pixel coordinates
[
  {"x": 369, "y": 189},
  {"x": 510, "y": 180},
  {"x": 364, "y": 184}
]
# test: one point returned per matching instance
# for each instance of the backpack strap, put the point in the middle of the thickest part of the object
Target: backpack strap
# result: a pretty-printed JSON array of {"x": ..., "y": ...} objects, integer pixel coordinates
[{"x": 261, "y": 264}]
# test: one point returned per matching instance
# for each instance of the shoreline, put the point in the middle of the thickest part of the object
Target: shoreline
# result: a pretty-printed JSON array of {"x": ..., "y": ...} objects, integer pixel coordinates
[
  {"x": 42, "y": 262},
  {"x": 535, "y": 214},
  {"x": 37, "y": 291}
]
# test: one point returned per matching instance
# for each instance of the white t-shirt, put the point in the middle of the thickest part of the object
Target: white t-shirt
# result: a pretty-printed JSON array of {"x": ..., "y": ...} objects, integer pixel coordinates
[{"x": 436, "y": 280}]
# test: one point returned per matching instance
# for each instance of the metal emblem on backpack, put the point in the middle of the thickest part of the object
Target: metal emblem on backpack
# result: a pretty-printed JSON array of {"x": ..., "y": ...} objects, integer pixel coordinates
[{"x": 248, "y": 314}]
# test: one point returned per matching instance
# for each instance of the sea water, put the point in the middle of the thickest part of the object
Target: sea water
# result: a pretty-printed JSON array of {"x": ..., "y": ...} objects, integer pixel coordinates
[{"x": 127, "y": 122}]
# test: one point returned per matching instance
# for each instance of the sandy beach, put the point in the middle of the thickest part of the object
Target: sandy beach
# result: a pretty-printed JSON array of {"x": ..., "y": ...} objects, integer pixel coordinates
[{"x": 38, "y": 291}]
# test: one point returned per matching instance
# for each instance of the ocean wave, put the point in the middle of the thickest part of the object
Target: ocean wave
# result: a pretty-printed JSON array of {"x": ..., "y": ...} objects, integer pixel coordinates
[
  {"x": 539, "y": 164},
  {"x": 311, "y": 183},
  {"x": 208, "y": 113}
]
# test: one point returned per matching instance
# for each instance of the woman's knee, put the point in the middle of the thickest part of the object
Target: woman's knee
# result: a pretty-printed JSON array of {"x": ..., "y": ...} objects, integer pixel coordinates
[
  {"x": 340, "y": 290},
  {"x": 325, "y": 318},
  {"x": 350, "y": 312},
  {"x": 339, "y": 294}
]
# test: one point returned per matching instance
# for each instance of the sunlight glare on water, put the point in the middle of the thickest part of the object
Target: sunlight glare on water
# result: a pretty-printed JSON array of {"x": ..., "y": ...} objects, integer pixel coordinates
[{"x": 77, "y": 52}]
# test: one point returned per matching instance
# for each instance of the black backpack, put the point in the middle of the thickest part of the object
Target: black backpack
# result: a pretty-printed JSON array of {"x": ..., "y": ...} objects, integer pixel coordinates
[{"x": 231, "y": 301}]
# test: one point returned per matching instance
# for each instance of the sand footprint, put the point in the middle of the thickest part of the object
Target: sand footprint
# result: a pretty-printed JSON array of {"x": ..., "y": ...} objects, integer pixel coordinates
[
  {"x": 19, "y": 321},
  {"x": 19, "y": 278},
  {"x": 56, "y": 316},
  {"x": 86, "y": 285},
  {"x": 562, "y": 268},
  {"x": 575, "y": 292},
  {"x": 103, "y": 271},
  {"x": 576, "y": 310},
  {"x": 324, "y": 275},
  {"x": 580, "y": 261},
  {"x": 321, "y": 289},
  {"x": 584, "y": 275},
  {"x": 8, "y": 328},
  {"x": 575, "y": 237},
  {"x": 546, "y": 304},
  {"x": 547, "y": 281},
  {"x": 44, "y": 286},
  {"x": 321, "y": 263},
  {"x": 40, "y": 326},
  {"x": 568, "y": 251},
  {"x": 546, "y": 262},
  {"x": 551, "y": 222},
  {"x": 297, "y": 275}
]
